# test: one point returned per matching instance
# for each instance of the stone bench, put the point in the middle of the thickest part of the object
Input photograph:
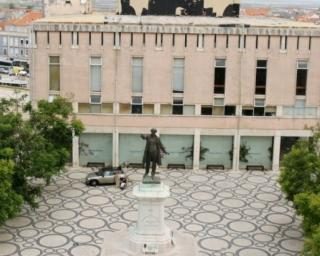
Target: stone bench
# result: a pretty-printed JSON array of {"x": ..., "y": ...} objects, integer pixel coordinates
[
  {"x": 215, "y": 167},
  {"x": 136, "y": 165},
  {"x": 176, "y": 166},
  {"x": 255, "y": 167},
  {"x": 95, "y": 164}
]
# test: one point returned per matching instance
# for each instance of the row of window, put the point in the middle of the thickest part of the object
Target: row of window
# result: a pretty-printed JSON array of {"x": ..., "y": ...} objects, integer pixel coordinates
[
  {"x": 178, "y": 75},
  {"x": 179, "y": 108},
  {"x": 222, "y": 40},
  {"x": 14, "y": 41}
]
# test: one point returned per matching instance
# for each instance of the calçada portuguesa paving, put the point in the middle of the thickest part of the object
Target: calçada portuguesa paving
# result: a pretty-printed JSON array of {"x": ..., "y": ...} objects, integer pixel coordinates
[{"x": 229, "y": 214}]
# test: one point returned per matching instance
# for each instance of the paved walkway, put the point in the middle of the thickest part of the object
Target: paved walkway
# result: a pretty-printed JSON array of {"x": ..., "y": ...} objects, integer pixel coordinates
[{"x": 229, "y": 213}]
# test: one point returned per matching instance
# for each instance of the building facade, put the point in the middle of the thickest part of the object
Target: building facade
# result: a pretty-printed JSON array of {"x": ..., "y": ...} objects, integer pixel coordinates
[
  {"x": 15, "y": 38},
  {"x": 220, "y": 91}
]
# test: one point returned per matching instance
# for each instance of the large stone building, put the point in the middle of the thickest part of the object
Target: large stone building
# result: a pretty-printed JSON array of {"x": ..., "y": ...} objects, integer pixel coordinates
[{"x": 242, "y": 88}]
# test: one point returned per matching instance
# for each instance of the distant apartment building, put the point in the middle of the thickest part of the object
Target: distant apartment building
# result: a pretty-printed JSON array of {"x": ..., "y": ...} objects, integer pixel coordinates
[
  {"x": 222, "y": 92},
  {"x": 15, "y": 39}
]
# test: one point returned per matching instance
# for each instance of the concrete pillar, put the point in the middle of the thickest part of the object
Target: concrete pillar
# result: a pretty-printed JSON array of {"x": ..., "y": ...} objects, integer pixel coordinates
[
  {"x": 236, "y": 152},
  {"x": 75, "y": 150},
  {"x": 115, "y": 148},
  {"x": 279, "y": 111},
  {"x": 276, "y": 151},
  {"x": 157, "y": 109},
  {"x": 75, "y": 107},
  {"x": 196, "y": 149},
  {"x": 198, "y": 109},
  {"x": 116, "y": 108}
]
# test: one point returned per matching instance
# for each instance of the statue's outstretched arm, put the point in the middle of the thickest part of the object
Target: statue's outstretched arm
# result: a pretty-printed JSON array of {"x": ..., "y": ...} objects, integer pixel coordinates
[{"x": 143, "y": 136}]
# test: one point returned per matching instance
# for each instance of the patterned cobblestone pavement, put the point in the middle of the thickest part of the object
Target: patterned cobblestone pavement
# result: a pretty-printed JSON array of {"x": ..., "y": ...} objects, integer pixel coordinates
[{"x": 229, "y": 214}]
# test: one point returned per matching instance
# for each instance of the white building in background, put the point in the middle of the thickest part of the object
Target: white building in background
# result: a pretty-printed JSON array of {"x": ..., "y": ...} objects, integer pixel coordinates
[{"x": 15, "y": 38}]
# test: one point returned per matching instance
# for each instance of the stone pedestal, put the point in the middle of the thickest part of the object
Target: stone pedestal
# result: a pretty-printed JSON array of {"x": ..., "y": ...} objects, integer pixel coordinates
[{"x": 150, "y": 235}]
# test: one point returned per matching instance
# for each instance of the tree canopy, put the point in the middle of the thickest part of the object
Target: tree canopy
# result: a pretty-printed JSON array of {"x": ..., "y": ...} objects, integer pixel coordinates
[
  {"x": 300, "y": 181},
  {"x": 34, "y": 143}
]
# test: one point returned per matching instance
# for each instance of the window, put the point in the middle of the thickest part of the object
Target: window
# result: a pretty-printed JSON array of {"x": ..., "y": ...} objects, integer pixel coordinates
[
  {"x": 230, "y": 110},
  {"x": 185, "y": 40},
  {"x": 60, "y": 38},
  {"x": 137, "y": 75},
  {"x": 302, "y": 74},
  {"x": 261, "y": 77},
  {"x": 95, "y": 99},
  {"x": 89, "y": 38},
  {"x": 173, "y": 39},
  {"x": 95, "y": 74},
  {"x": 215, "y": 41},
  {"x": 178, "y": 75},
  {"x": 206, "y": 110},
  {"x": 300, "y": 110},
  {"x": 242, "y": 41},
  {"x": 21, "y": 41},
  {"x": 227, "y": 41},
  {"x": 298, "y": 42},
  {"x": 219, "y": 76},
  {"x": 177, "y": 106},
  {"x": 200, "y": 41},
  {"x": 257, "y": 42},
  {"x": 283, "y": 43},
  {"x": 136, "y": 105},
  {"x": 75, "y": 38},
  {"x": 159, "y": 40},
  {"x": 48, "y": 38},
  {"x": 101, "y": 39},
  {"x": 269, "y": 42},
  {"x": 116, "y": 39},
  {"x": 131, "y": 39},
  {"x": 54, "y": 73},
  {"x": 247, "y": 111}
]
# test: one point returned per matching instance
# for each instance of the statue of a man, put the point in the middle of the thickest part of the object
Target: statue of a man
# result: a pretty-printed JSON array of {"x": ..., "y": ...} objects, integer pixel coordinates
[{"x": 152, "y": 152}]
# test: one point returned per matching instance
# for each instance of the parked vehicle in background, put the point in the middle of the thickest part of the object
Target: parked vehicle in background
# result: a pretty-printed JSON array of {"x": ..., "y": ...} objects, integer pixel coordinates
[{"x": 105, "y": 175}]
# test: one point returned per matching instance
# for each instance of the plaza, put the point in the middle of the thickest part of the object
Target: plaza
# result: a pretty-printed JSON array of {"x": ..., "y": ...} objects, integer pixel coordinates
[{"x": 232, "y": 213}]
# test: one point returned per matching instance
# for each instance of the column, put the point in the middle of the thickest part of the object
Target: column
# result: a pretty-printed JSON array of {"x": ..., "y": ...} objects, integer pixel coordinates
[
  {"x": 75, "y": 150},
  {"x": 157, "y": 109},
  {"x": 236, "y": 151},
  {"x": 276, "y": 151},
  {"x": 196, "y": 149},
  {"x": 198, "y": 109},
  {"x": 115, "y": 147}
]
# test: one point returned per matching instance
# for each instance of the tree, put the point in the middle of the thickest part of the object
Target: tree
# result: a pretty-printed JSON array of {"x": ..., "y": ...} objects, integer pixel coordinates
[
  {"x": 300, "y": 181},
  {"x": 39, "y": 146},
  {"x": 10, "y": 201},
  {"x": 299, "y": 167}
]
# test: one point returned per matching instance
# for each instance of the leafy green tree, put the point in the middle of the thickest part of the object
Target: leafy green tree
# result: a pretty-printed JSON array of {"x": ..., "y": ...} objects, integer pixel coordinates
[
  {"x": 300, "y": 168},
  {"x": 300, "y": 181},
  {"x": 38, "y": 142},
  {"x": 10, "y": 201},
  {"x": 308, "y": 205}
]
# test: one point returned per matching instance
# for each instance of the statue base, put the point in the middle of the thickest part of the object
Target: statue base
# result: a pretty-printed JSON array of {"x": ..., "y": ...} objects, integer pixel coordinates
[{"x": 150, "y": 235}]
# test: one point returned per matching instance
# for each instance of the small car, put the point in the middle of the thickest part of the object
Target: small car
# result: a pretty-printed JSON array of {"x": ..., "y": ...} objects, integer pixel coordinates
[{"x": 105, "y": 175}]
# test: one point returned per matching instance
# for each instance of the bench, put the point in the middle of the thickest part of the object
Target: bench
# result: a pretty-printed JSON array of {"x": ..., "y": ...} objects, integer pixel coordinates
[
  {"x": 136, "y": 165},
  {"x": 95, "y": 164},
  {"x": 255, "y": 167},
  {"x": 215, "y": 167},
  {"x": 176, "y": 166}
]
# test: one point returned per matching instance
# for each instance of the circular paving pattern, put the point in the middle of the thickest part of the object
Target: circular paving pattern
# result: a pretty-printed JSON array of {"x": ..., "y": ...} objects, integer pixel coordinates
[{"x": 229, "y": 214}]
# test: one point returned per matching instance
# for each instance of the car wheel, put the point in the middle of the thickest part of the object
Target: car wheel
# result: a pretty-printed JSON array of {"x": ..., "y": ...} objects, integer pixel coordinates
[{"x": 94, "y": 183}]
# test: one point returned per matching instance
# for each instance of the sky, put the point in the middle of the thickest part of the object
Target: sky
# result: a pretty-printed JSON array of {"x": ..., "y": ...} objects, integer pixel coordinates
[{"x": 276, "y": 2}]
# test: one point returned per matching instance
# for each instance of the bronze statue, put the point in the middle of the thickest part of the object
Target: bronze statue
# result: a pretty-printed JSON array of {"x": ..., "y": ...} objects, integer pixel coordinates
[{"x": 152, "y": 152}]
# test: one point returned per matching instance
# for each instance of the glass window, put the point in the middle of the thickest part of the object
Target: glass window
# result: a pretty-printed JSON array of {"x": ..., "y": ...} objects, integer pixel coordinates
[
  {"x": 219, "y": 76},
  {"x": 54, "y": 73},
  {"x": 136, "y": 106},
  {"x": 302, "y": 75},
  {"x": 177, "y": 107},
  {"x": 178, "y": 75},
  {"x": 95, "y": 74},
  {"x": 137, "y": 75}
]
